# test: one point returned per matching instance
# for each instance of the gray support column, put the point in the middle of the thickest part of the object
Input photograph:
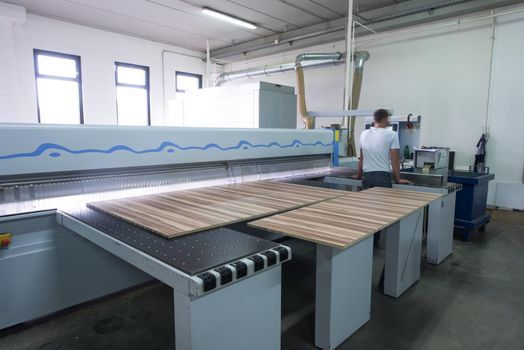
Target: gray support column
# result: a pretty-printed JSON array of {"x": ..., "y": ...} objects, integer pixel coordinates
[
  {"x": 244, "y": 315},
  {"x": 441, "y": 216},
  {"x": 343, "y": 292},
  {"x": 403, "y": 254}
]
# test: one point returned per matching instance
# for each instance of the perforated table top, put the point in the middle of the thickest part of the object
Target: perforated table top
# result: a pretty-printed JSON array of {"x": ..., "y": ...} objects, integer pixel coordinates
[{"x": 191, "y": 254}]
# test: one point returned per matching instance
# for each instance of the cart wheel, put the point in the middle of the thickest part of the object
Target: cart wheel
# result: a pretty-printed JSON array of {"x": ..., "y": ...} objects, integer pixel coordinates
[
  {"x": 482, "y": 228},
  {"x": 465, "y": 235}
]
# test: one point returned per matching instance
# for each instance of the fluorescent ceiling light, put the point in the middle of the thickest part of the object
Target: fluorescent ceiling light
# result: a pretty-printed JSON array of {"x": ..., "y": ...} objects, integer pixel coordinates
[{"x": 228, "y": 18}]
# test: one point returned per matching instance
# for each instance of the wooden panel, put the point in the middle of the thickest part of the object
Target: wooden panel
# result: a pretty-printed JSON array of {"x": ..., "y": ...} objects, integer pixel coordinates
[
  {"x": 402, "y": 196},
  {"x": 344, "y": 221},
  {"x": 178, "y": 213}
]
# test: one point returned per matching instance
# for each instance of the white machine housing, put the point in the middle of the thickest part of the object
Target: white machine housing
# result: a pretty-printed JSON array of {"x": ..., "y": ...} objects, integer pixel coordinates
[
  {"x": 437, "y": 158},
  {"x": 252, "y": 105},
  {"x": 46, "y": 167}
]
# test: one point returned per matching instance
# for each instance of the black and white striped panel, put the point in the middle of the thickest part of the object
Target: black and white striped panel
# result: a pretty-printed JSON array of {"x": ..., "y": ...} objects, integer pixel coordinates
[
  {"x": 454, "y": 187},
  {"x": 226, "y": 274}
]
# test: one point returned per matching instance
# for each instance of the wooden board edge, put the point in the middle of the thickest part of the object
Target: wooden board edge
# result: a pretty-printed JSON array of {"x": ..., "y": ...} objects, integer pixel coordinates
[{"x": 207, "y": 228}]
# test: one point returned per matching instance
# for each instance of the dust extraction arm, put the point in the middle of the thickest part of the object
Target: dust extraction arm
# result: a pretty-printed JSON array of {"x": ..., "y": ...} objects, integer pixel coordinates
[
  {"x": 309, "y": 121},
  {"x": 359, "y": 59}
]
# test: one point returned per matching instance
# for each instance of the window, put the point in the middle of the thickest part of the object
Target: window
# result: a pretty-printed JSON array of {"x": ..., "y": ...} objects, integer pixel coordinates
[
  {"x": 132, "y": 94},
  {"x": 187, "y": 82},
  {"x": 58, "y": 87}
]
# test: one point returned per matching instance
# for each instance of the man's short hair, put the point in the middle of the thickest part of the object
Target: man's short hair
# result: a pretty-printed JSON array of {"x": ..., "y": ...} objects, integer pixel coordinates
[{"x": 380, "y": 115}]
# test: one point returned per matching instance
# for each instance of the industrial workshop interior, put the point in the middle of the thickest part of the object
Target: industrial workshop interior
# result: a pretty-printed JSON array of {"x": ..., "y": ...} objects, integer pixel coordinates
[{"x": 261, "y": 175}]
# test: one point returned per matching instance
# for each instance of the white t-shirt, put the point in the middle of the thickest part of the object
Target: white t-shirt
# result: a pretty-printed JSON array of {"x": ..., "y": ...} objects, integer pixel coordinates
[{"x": 376, "y": 144}]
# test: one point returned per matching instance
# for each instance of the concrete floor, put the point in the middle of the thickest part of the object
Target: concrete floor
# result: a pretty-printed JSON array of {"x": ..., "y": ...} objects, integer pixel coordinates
[{"x": 473, "y": 300}]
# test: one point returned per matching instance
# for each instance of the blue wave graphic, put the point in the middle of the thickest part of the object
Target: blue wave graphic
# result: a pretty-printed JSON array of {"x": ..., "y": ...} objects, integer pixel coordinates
[{"x": 167, "y": 146}]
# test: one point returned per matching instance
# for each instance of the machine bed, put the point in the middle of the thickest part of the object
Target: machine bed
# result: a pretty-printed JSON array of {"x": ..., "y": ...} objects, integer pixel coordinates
[{"x": 192, "y": 254}]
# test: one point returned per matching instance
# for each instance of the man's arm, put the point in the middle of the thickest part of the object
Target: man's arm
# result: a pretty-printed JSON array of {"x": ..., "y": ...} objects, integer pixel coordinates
[
  {"x": 360, "y": 162},
  {"x": 395, "y": 165}
]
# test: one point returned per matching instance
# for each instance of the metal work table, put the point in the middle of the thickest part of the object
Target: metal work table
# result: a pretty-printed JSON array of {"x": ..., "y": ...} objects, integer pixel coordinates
[
  {"x": 439, "y": 243},
  {"x": 211, "y": 273},
  {"x": 343, "y": 230},
  {"x": 191, "y": 254}
]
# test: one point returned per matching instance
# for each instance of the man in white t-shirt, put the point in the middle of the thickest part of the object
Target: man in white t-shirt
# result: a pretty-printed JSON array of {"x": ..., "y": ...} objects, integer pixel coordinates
[{"x": 379, "y": 156}]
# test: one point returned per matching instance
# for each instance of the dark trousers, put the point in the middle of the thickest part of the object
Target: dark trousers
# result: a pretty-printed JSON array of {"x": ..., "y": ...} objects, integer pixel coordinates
[{"x": 376, "y": 179}]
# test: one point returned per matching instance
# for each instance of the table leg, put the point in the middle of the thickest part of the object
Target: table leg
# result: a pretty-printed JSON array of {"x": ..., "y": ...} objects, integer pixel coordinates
[
  {"x": 244, "y": 315},
  {"x": 343, "y": 292},
  {"x": 440, "y": 229},
  {"x": 403, "y": 254},
  {"x": 465, "y": 234}
]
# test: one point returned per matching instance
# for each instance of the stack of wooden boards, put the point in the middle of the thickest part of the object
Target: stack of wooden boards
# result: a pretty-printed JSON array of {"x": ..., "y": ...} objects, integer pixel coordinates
[
  {"x": 343, "y": 221},
  {"x": 174, "y": 214},
  {"x": 329, "y": 217}
]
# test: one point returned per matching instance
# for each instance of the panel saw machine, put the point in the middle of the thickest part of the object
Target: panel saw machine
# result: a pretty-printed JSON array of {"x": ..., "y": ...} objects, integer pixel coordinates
[
  {"x": 58, "y": 253},
  {"x": 74, "y": 253}
]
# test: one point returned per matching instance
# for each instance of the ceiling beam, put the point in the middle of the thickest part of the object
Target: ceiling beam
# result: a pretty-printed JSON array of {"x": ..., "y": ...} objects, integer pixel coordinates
[
  {"x": 316, "y": 2},
  {"x": 406, "y": 8},
  {"x": 334, "y": 30},
  {"x": 280, "y": 40},
  {"x": 303, "y": 10}
]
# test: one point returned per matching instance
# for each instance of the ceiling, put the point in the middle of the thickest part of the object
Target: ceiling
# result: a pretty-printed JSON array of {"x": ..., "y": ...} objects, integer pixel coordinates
[{"x": 181, "y": 23}]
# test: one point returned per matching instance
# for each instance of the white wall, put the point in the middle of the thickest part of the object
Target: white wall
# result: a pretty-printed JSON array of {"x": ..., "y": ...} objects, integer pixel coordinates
[
  {"x": 442, "y": 74},
  {"x": 443, "y": 77},
  {"x": 10, "y": 15},
  {"x": 505, "y": 149},
  {"x": 98, "y": 50}
]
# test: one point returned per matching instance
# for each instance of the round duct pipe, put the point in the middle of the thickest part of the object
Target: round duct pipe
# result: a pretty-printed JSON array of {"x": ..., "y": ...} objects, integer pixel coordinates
[
  {"x": 305, "y": 61},
  {"x": 337, "y": 56},
  {"x": 359, "y": 58}
]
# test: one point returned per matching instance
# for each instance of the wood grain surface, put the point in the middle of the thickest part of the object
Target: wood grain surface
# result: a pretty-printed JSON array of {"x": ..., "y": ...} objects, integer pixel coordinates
[
  {"x": 343, "y": 221},
  {"x": 401, "y": 196},
  {"x": 173, "y": 214}
]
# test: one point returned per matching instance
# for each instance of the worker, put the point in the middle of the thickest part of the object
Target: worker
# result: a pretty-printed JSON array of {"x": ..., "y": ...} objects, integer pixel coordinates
[{"x": 379, "y": 156}]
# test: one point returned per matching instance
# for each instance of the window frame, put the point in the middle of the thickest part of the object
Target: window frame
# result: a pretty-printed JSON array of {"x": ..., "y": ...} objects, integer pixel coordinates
[
  {"x": 145, "y": 87},
  {"x": 78, "y": 79},
  {"x": 187, "y": 74}
]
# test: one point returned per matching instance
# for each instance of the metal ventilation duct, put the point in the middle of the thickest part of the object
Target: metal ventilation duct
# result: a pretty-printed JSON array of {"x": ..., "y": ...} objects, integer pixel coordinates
[
  {"x": 359, "y": 58},
  {"x": 306, "y": 60},
  {"x": 302, "y": 61}
]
